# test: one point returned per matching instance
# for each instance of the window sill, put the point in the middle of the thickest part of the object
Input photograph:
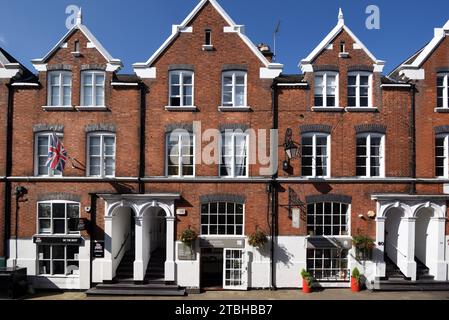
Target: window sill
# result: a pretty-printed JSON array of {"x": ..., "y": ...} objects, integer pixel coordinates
[
  {"x": 208, "y": 47},
  {"x": 57, "y": 108},
  {"x": 186, "y": 109},
  {"x": 361, "y": 109},
  {"x": 91, "y": 108},
  {"x": 234, "y": 109},
  {"x": 442, "y": 110},
  {"x": 328, "y": 109},
  {"x": 58, "y": 276}
]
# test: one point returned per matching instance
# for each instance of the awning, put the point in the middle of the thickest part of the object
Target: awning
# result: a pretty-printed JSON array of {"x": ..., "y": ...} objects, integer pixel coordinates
[{"x": 329, "y": 243}]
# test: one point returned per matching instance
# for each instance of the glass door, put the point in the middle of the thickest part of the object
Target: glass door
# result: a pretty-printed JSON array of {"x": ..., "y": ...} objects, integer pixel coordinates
[{"x": 235, "y": 275}]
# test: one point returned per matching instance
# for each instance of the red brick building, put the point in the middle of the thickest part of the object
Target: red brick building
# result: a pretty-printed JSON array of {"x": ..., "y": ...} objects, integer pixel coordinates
[{"x": 210, "y": 138}]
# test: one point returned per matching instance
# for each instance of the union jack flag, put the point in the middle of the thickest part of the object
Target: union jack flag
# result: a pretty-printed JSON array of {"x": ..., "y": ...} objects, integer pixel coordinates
[{"x": 57, "y": 155}]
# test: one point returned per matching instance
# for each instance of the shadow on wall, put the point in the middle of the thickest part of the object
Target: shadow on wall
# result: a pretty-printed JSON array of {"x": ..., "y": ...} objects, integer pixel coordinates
[
  {"x": 282, "y": 255},
  {"x": 122, "y": 188}
]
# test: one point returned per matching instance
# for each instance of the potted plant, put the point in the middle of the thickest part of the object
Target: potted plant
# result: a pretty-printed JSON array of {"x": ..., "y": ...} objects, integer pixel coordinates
[
  {"x": 356, "y": 280},
  {"x": 364, "y": 246},
  {"x": 188, "y": 236},
  {"x": 258, "y": 239},
  {"x": 307, "y": 281}
]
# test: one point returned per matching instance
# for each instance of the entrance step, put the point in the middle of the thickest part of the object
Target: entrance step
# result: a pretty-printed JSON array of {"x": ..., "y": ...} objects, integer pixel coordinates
[
  {"x": 392, "y": 271},
  {"x": 422, "y": 271},
  {"x": 405, "y": 285},
  {"x": 128, "y": 288}
]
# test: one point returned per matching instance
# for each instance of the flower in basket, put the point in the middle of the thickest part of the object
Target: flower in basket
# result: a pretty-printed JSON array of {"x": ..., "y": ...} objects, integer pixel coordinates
[
  {"x": 188, "y": 236},
  {"x": 258, "y": 239}
]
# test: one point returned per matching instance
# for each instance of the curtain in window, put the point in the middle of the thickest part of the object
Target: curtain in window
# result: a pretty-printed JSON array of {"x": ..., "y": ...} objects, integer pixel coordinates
[{"x": 240, "y": 155}]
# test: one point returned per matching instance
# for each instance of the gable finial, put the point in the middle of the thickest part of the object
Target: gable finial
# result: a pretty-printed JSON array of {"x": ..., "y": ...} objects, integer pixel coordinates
[
  {"x": 341, "y": 17},
  {"x": 79, "y": 18}
]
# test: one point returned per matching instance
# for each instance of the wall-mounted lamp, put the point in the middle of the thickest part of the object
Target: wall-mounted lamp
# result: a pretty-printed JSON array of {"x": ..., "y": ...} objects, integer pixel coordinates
[{"x": 292, "y": 150}]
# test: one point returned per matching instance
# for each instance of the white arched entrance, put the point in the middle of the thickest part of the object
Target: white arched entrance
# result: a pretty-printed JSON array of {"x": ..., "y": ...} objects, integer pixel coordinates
[
  {"x": 411, "y": 228},
  {"x": 149, "y": 209}
]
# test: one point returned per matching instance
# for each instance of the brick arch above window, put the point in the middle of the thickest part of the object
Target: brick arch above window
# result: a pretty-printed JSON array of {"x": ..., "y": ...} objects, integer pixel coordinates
[
  {"x": 56, "y": 67},
  {"x": 363, "y": 68},
  {"x": 441, "y": 129},
  {"x": 234, "y": 126},
  {"x": 329, "y": 198},
  {"x": 99, "y": 67},
  {"x": 371, "y": 128},
  {"x": 101, "y": 127},
  {"x": 308, "y": 128},
  {"x": 188, "y": 67},
  {"x": 442, "y": 69},
  {"x": 43, "y": 127},
  {"x": 234, "y": 67},
  {"x": 61, "y": 196},
  {"x": 179, "y": 126},
  {"x": 324, "y": 68},
  {"x": 223, "y": 197}
]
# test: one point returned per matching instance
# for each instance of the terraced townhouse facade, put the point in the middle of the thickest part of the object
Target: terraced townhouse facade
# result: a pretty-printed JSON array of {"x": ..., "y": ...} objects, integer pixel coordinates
[{"x": 356, "y": 153}]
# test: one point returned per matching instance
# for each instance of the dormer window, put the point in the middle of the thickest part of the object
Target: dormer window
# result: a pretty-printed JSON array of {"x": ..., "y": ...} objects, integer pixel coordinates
[
  {"x": 92, "y": 88},
  {"x": 326, "y": 89},
  {"x": 60, "y": 88}
]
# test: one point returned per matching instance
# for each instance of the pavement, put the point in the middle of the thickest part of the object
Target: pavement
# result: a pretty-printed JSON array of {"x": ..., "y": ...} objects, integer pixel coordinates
[{"x": 327, "y": 294}]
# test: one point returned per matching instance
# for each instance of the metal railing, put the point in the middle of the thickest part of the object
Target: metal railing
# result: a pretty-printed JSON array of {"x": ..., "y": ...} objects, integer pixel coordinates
[{"x": 122, "y": 246}]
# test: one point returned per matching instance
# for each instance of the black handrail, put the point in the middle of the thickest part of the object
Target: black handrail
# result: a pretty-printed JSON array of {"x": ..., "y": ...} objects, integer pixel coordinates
[{"x": 123, "y": 245}]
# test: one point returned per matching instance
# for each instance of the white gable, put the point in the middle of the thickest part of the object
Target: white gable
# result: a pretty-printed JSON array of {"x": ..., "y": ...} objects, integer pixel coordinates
[
  {"x": 145, "y": 69},
  {"x": 113, "y": 64},
  {"x": 305, "y": 63}
]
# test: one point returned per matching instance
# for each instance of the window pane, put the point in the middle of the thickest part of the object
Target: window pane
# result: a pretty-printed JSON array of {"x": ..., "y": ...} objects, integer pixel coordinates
[
  {"x": 58, "y": 267},
  {"x": 59, "y": 226},
  {"x": 58, "y": 210},
  {"x": 44, "y": 226},
  {"x": 44, "y": 210},
  {"x": 87, "y": 96}
]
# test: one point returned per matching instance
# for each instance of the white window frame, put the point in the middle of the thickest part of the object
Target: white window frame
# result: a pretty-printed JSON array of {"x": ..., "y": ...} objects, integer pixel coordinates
[
  {"x": 51, "y": 172},
  {"x": 234, "y": 74},
  {"x": 208, "y": 235},
  {"x": 51, "y": 202},
  {"x": 61, "y": 74},
  {"x": 181, "y": 74},
  {"x": 94, "y": 88},
  {"x": 347, "y": 222},
  {"x": 358, "y": 74},
  {"x": 445, "y": 136},
  {"x": 102, "y": 135},
  {"x": 314, "y": 135},
  {"x": 51, "y": 260},
  {"x": 234, "y": 134},
  {"x": 325, "y": 74},
  {"x": 180, "y": 146},
  {"x": 338, "y": 278},
  {"x": 445, "y": 77},
  {"x": 368, "y": 137}
]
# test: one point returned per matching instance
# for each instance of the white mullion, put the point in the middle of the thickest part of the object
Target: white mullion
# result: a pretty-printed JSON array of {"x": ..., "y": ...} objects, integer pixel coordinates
[
  {"x": 325, "y": 90},
  {"x": 314, "y": 155},
  {"x": 233, "y": 154},
  {"x": 368, "y": 155},
  {"x": 94, "y": 89},
  {"x": 181, "y": 89},
  {"x": 357, "y": 90},
  {"x": 180, "y": 173},
  {"x": 446, "y": 156},
  {"x": 234, "y": 83},
  {"x": 61, "y": 90}
]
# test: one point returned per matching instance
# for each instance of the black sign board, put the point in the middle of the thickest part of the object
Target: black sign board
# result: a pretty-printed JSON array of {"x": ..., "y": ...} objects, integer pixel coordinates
[
  {"x": 82, "y": 224},
  {"x": 58, "y": 240},
  {"x": 99, "y": 249}
]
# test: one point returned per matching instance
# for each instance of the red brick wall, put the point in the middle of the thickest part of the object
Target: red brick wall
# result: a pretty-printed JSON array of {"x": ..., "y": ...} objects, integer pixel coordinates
[
  {"x": 123, "y": 112},
  {"x": 187, "y": 49},
  {"x": 3, "y": 112}
]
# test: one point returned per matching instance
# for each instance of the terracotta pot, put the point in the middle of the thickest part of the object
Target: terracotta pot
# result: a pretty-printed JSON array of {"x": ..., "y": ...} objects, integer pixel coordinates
[
  {"x": 355, "y": 285},
  {"x": 305, "y": 287}
]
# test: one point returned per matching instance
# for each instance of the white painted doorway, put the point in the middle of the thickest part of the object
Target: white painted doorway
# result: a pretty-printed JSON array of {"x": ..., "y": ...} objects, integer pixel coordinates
[
  {"x": 235, "y": 267},
  {"x": 396, "y": 238}
]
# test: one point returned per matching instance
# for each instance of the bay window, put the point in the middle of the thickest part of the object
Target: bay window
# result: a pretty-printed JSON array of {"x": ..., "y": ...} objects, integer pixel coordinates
[{"x": 328, "y": 264}]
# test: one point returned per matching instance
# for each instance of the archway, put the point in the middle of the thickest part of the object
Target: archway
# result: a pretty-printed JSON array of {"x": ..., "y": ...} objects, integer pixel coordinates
[{"x": 395, "y": 235}]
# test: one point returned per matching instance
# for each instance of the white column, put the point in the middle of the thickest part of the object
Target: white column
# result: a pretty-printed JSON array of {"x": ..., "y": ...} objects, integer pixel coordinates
[
  {"x": 139, "y": 272},
  {"x": 409, "y": 244},
  {"x": 170, "y": 266},
  {"x": 108, "y": 273},
  {"x": 440, "y": 265},
  {"x": 379, "y": 251}
]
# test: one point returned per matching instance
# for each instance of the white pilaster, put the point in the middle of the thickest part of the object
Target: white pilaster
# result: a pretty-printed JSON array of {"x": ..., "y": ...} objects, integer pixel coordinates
[
  {"x": 170, "y": 266},
  {"x": 410, "y": 263},
  {"x": 440, "y": 265},
  {"x": 139, "y": 272},
  {"x": 107, "y": 261},
  {"x": 379, "y": 252}
]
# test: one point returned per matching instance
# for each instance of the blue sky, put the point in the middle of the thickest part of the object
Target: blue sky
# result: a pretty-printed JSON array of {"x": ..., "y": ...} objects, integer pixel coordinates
[{"x": 132, "y": 30}]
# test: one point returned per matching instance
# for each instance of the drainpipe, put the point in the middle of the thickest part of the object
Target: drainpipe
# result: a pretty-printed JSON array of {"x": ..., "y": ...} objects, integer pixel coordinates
[
  {"x": 8, "y": 171},
  {"x": 413, "y": 138},
  {"x": 143, "y": 91},
  {"x": 92, "y": 232},
  {"x": 273, "y": 191}
]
